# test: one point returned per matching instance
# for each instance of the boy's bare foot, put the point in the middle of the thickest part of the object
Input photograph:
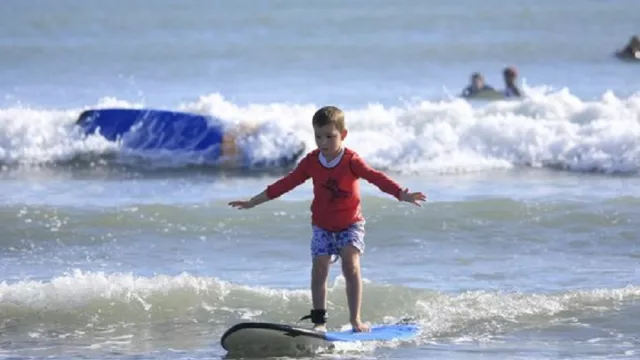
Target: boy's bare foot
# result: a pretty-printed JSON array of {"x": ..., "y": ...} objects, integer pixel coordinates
[
  {"x": 359, "y": 326},
  {"x": 322, "y": 328}
]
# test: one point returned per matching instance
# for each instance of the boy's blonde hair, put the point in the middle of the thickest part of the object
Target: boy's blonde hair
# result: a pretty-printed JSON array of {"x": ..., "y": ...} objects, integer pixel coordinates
[{"x": 328, "y": 115}]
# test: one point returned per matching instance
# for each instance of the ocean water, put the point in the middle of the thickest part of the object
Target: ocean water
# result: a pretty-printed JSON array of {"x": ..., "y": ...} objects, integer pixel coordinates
[{"x": 526, "y": 249}]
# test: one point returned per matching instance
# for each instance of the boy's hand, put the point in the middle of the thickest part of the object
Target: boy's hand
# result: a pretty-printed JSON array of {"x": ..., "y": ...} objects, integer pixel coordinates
[
  {"x": 248, "y": 204},
  {"x": 242, "y": 204},
  {"x": 413, "y": 198}
]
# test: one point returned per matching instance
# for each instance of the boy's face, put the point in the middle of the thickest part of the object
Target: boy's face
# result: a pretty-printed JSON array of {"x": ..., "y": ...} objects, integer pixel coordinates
[{"x": 329, "y": 139}]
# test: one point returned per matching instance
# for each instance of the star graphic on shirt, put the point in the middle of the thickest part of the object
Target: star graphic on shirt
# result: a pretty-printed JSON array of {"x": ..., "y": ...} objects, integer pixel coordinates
[{"x": 332, "y": 185}]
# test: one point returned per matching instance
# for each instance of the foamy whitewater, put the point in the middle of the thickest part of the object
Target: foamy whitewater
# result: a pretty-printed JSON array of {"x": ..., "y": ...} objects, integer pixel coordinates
[
  {"x": 558, "y": 131},
  {"x": 526, "y": 249}
]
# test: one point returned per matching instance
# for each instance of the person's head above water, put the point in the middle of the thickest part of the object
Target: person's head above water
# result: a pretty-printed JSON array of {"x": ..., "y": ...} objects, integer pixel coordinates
[
  {"x": 477, "y": 80},
  {"x": 510, "y": 74}
]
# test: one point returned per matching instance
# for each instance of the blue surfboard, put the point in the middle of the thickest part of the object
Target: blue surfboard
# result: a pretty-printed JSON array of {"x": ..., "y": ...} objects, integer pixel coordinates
[
  {"x": 153, "y": 130},
  {"x": 269, "y": 338},
  {"x": 377, "y": 333}
]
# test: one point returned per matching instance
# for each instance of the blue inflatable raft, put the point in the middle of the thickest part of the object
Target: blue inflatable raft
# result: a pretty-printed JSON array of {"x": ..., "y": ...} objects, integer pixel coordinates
[{"x": 150, "y": 130}]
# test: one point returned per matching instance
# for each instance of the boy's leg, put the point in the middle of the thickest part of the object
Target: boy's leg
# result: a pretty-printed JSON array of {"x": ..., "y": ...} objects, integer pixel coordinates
[
  {"x": 322, "y": 247},
  {"x": 319, "y": 276},
  {"x": 351, "y": 270},
  {"x": 352, "y": 245}
]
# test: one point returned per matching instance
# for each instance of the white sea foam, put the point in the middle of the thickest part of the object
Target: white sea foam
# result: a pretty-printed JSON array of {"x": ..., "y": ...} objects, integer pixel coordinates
[{"x": 551, "y": 129}]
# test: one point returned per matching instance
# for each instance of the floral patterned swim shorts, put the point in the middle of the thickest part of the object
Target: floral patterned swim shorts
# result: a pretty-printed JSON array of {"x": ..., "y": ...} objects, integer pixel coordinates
[{"x": 324, "y": 242}]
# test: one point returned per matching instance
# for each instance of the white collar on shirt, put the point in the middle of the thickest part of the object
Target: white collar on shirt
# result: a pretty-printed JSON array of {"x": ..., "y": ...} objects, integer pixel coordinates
[{"x": 332, "y": 163}]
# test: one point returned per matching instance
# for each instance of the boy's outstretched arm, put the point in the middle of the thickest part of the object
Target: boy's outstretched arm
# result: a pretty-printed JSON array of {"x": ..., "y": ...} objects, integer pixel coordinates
[
  {"x": 283, "y": 185},
  {"x": 254, "y": 201},
  {"x": 384, "y": 183}
]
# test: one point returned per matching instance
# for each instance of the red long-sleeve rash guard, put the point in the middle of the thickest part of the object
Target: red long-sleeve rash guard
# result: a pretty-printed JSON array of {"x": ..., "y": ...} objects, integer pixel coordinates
[{"x": 336, "y": 191}]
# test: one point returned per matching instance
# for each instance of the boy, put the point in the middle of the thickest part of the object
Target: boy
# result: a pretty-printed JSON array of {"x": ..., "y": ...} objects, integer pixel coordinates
[{"x": 336, "y": 218}]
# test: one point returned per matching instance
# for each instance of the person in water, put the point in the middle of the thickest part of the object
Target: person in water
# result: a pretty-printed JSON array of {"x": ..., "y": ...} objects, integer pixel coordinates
[
  {"x": 632, "y": 49},
  {"x": 510, "y": 74},
  {"x": 337, "y": 221},
  {"x": 477, "y": 85}
]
